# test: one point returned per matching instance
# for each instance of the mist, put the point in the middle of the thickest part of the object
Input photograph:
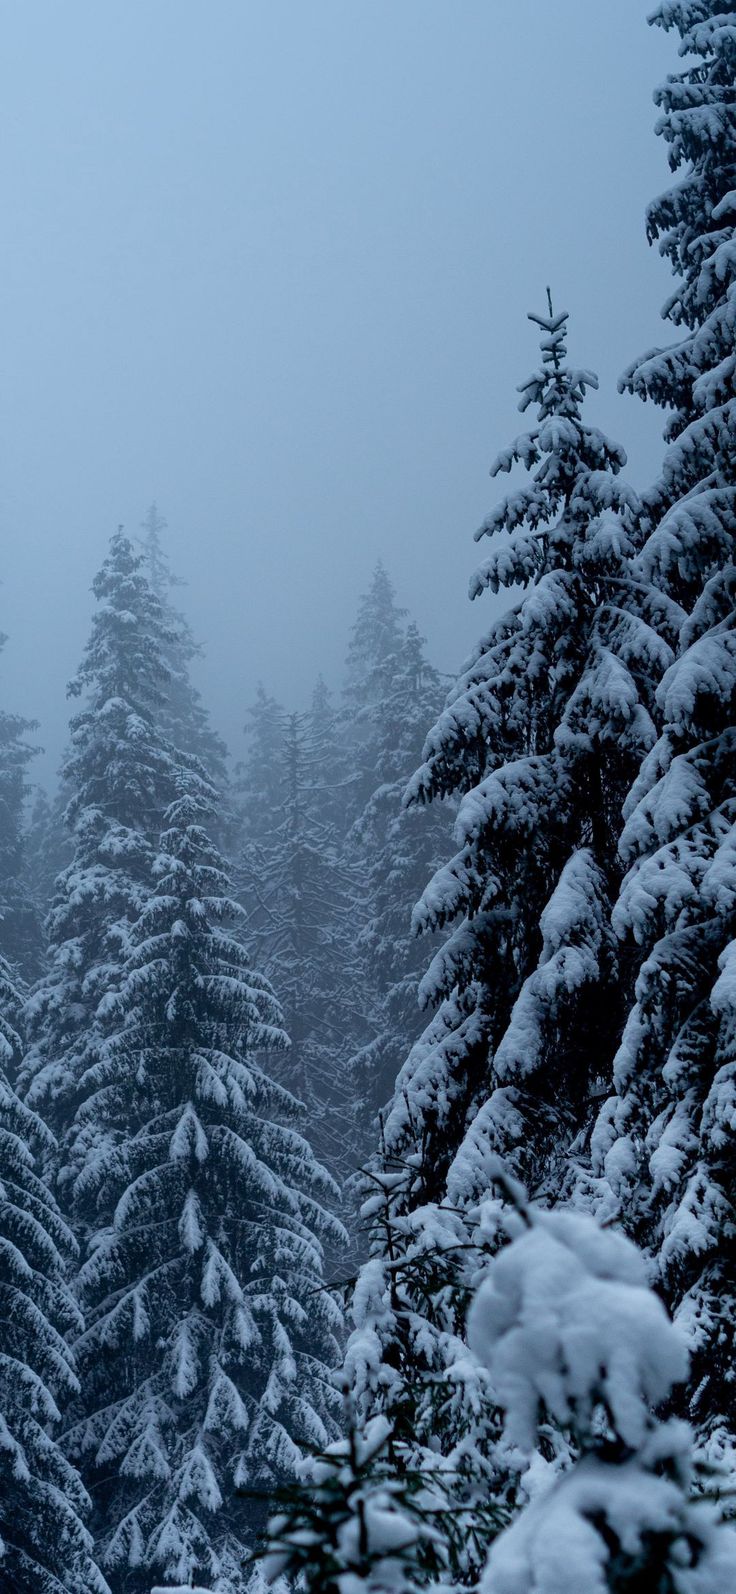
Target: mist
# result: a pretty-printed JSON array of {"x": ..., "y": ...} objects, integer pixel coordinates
[{"x": 269, "y": 265}]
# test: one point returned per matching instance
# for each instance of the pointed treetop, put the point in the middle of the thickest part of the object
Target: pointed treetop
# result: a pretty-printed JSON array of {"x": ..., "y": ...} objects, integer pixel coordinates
[
  {"x": 160, "y": 574},
  {"x": 557, "y": 388}
]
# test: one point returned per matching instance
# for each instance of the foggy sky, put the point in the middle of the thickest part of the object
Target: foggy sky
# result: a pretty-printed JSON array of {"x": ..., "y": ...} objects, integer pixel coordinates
[{"x": 269, "y": 263}]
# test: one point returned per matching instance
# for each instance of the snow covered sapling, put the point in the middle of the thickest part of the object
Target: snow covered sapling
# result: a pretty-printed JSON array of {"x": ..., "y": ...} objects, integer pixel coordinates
[
  {"x": 407, "y": 1360},
  {"x": 360, "y": 1521},
  {"x": 568, "y": 1329},
  {"x": 209, "y": 1337}
]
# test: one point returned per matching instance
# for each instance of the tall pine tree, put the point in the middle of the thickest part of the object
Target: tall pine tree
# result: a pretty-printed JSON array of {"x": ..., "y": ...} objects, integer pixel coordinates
[
  {"x": 539, "y": 742},
  {"x": 396, "y": 849},
  {"x": 205, "y": 1361},
  {"x": 375, "y": 638},
  {"x": 182, "y": 715},
  {"x": 296, "y": 889},
  {"x": 665, "y": 1144},
  {"x": 118, "y": 774}
]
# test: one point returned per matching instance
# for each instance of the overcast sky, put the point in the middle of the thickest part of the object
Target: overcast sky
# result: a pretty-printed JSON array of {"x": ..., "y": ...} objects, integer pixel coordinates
[{"x": 269, "y": 263}]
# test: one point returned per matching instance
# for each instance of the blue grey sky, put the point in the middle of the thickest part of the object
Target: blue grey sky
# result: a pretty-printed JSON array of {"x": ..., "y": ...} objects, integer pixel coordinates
[{"x": 269, "y": 263}]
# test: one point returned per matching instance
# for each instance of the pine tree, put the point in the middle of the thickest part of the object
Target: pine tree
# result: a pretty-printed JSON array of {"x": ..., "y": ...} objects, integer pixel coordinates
[
  {"x": 118, "y": 774},
  {"x": 396, "y": 850},
  {"x": 541, "y": 740},
  {"x": 260, "y": 775},
  {"x": 296, "y": 890},
  {"x": 47, "y": 851},
  {"x": 664, "y": 1144},
  {"x": 209, "y": 1338},
  {"x": 330, "y": 759},
  {"x": 375, "y": 638},
  {"x": 45, "y": 1547},
  {"x": 182, "y": 715},
  {"x": 21, "y": 935}
]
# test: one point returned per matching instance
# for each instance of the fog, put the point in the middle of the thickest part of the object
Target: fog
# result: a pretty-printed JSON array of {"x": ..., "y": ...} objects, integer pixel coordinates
[{"x": 270, "y": 264}]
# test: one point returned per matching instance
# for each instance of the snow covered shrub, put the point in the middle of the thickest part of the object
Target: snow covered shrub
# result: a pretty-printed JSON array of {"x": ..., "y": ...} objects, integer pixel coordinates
[{"x": 569, "y": 1330}]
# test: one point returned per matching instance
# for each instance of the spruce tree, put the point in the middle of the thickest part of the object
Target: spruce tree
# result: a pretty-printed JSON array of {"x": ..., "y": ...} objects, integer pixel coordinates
[
  {"x": 45, "y": 1547},
  {"x": 260, "y": 780},
  {"x": 205, "y": 1361},
  {"x": 118, "y": 776},
  {"x": 375, "y": 637},
  {"x": 397, "y": 849},
  {"x": 182, "y": 715},
  {"x": 664, "y": 1145},
  {"x": 539, "y": 742},
  {"x": 296, "y": 890},
  {"x": 21, "y": 933},
  {"x": 47, "y": 850}
]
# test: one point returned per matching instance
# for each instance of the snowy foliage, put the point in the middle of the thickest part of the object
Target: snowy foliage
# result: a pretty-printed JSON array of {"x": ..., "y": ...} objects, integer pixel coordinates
[
  {"x": 664, "y": 1147},
  {"x": 540, "y": 740},
  {"x": 182, "y": 716},
  {"x": 45, "y": 1547},
  {"x": 119, "y": 775},
  {"x": 396, "y": 848},
  {"x": 297, "y": 890},
  {"x": 208, "y": 1339},
  {"x": 567, "y": 1327},
  {"x": 360, "y": 1522}
]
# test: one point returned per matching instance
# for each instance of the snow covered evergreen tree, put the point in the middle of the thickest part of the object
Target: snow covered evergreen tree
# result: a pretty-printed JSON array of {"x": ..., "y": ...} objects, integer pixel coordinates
[
  {"x": 45, "y": 1547},
  {"x": 375, "y": 638},
  {"x": 119, "y": 777},
  {"x": 260, "y": 778},
  {"x": 540, "y": 740},
  {"x": 397, "y": 850},
  {"x": 296, "y": 890},
  {"x": 665, "y": 1144},
  {"x": 47, "y": 850},
  {"x": 205, "y": 1361},
  {"x": 182, "y": 715},
  {"x": 21, "y": 934},
  {"x": 574, "y": 1345},
  {"x": 570, "y": 1333}
]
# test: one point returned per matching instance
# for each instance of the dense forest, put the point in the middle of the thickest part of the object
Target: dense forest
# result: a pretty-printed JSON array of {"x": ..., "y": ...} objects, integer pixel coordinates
[{"x": 368, "y": 1092}]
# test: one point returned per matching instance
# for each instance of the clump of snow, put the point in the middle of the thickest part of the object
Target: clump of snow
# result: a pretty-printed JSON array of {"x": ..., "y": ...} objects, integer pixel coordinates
[
  {"x": 556, "y": 1545},
  {"x": 564, "y": 1321}
]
